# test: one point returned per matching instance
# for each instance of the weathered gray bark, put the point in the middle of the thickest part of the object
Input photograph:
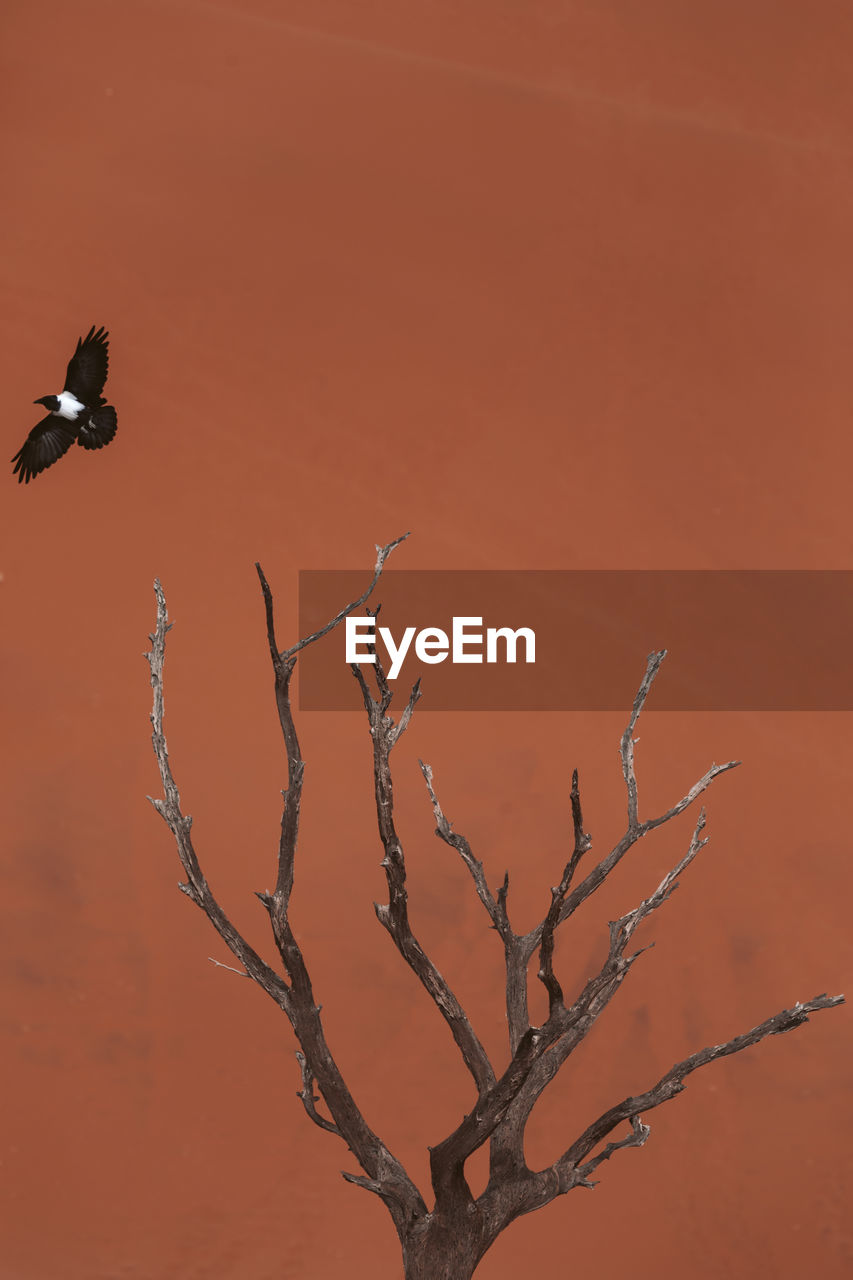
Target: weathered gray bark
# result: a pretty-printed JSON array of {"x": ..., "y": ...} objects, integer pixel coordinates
[{"x": 448, "y": 1241}]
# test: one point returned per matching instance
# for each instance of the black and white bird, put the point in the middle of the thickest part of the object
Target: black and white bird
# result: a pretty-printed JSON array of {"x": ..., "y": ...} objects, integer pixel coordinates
[{"x": 78, "y": 413}]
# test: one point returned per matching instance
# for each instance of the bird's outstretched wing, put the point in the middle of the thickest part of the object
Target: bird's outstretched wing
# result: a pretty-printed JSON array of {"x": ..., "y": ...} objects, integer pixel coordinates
[
  {"x": 47, "y": 441},
  {"x": 98, "y": 428},
  {"x": 87, "y": 368}
]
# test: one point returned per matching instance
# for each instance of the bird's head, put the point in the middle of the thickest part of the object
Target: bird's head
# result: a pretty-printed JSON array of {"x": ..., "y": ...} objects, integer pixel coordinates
[{"x": 51, "y": 403}]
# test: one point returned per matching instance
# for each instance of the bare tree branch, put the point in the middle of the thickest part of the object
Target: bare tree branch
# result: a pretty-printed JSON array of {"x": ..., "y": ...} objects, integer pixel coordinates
[
  {"x": 569, "y": 1169},
  {"x": 515, "y": 958},
  {"x": 653, "y": 665},
  {"x": 636, "y": 829},
  {"x": 169, "y": 808},
  {"x": 241, "y": 973},
  {"x": 306, "y": 1093},
  {"x": 397, "y": 732},
  {"x": 369, "y": 1184},
  {"x": 382, "y": 555},
  {"x": 458, "y": 842},
  {"x": 636, "y": 1138},
  {"x": 583, "y": 843},
  {"x": 395, "y": 916}
]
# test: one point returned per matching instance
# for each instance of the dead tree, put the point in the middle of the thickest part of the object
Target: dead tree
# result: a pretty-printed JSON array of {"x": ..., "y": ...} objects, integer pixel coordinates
[{"x": 447, "y": 1239}]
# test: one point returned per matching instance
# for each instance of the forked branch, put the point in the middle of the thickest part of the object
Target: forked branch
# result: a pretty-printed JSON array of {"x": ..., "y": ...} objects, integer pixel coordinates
[
  {"x": 395, "y": 915},
  {"x": 569, "y": 1169},
  {"x": 291, "y": 990}
]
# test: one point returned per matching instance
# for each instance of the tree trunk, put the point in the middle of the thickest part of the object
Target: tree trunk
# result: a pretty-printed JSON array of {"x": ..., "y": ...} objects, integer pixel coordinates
[
  {"x": 438, "y": 1264},
  {"x": 444, "y": 1250}
]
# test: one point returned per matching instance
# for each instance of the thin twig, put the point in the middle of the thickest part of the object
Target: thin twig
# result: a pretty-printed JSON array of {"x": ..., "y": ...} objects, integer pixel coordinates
[
  {"x": 444, "y": 830},
  {"x": 382, "y": 555},
  {"x": 241, "y": 973},
  {"x": 306, "y": 1093},
  {"x": 636, "y": 1138}
]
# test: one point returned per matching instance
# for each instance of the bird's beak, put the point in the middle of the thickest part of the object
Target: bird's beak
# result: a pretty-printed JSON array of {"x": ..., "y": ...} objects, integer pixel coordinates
[{"x": 40, "y": 401}]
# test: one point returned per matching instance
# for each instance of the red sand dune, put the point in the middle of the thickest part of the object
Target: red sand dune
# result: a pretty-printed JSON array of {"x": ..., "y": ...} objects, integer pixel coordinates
[{"x": 552, "y": 285}]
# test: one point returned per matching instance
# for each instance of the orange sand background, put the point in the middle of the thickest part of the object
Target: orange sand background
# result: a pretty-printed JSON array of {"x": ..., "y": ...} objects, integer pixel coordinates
[{"x": 554, "y": 285}]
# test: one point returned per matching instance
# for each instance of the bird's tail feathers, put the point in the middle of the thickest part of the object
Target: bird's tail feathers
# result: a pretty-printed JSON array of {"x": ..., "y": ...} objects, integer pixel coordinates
[{"x": 100, "y": 428}]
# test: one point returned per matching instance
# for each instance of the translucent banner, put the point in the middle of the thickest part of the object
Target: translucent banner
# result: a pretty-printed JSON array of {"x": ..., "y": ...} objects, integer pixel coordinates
[{"x": 577, "y": 640}]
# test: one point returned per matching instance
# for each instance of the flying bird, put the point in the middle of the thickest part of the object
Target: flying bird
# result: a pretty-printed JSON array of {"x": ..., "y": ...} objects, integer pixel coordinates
[{"x": 78, "y": 413}]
